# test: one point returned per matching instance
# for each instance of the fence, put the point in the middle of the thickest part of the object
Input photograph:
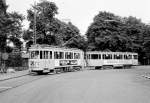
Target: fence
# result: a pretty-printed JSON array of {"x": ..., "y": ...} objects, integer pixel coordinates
[{"x": 15, "y": 61}]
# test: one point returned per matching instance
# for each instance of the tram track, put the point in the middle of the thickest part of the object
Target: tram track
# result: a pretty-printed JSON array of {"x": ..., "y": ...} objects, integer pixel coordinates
[
  {"x": 20, "y": 81},
  {"x": 26, "y": 79}
]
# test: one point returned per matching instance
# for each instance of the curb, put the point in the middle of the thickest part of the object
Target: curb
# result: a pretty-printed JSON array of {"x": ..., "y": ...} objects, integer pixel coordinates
[{"x": 15, "y": 77}]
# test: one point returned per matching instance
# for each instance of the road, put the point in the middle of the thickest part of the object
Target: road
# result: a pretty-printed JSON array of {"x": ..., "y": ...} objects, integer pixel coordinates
[{"x": 89, "y": 86}]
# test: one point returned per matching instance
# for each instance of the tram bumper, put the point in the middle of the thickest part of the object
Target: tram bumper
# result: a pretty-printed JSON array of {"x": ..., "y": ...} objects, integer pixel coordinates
[
  {"x": 46, "y": 70},
  {"x": 35, "y": 69}
]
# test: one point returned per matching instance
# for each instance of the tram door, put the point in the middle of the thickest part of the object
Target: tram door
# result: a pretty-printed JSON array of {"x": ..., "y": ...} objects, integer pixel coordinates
[{"x": 45, "y": 60}]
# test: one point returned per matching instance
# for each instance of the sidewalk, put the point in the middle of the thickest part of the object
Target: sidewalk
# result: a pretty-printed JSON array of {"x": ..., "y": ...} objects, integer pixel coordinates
[{"x": 6, "y": 76}]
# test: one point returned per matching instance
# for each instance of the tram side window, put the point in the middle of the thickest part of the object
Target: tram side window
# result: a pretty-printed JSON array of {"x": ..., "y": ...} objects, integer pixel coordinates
[
  {"x": 55, "y": 55},
  {"x": 62, "y": 55},
  {"x": 68, "y": 55},
  {"x": 50, "y": 55},
  {"x": 76, "y": 55},
  {"x": 41, "y": 54},
  {"x": 107, "y": 56},
  {"x": 94, "y": 56},
  {"x": 129, "y": 56},
  {"x": 125, "y": 57},
  {"x": 99, "y": 56},
  {"x": 58, "y": 55},
  {"x": 45, "y": 54},
  {"x": 135, "y": 56},
  {"x": 117, "y": 56},
  {"x": 87, "y": 56},
  {"x": 34, "y": 54},
  {"x": 71, "y": 55}
]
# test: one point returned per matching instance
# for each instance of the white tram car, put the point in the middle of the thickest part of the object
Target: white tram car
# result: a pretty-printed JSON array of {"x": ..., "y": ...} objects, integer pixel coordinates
[
  {"x": 45, "y": 58},
  {"x": 99, "y": 59}
]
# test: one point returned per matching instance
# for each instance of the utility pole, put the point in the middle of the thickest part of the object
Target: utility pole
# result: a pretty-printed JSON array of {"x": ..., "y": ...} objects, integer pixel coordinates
[{"x": 34, "y": 28}]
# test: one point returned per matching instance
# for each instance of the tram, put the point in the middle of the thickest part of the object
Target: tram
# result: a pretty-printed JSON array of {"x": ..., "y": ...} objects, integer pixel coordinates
[
  {"x": 45, "y": 59},
  {"x": 99, "y": 59}
]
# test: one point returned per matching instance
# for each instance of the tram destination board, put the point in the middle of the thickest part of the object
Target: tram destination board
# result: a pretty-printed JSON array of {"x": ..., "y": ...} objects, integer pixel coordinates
[{"x": 67, "y": 62}]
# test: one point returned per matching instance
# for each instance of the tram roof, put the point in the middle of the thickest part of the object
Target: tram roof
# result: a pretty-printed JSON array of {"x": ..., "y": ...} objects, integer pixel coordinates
[
  {"x": 91, "y": 52},
  {"x": 37, "y": 46}
]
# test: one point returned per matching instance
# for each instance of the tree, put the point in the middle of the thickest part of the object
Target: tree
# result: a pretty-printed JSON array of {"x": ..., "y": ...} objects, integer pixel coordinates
[
  {"x": 107, "y": 32},
  {"x": 49, "y": 29},
  {"x": 115, "y": 33},
  {"x": 78, "y": 41},
  {"x": 10, "y": 26},
  {"x": 45, "y": 12}
]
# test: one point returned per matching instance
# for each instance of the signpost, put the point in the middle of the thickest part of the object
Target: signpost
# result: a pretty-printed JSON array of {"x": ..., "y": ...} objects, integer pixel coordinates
[{"x": 3, "y": 57}]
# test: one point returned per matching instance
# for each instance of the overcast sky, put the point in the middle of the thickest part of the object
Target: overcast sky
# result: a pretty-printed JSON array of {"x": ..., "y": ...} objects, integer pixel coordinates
[{"x": 81, "y": 12}]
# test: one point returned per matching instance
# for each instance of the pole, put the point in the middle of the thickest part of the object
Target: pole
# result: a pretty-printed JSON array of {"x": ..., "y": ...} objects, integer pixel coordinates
[
  {"x": 34, "y": 33},
  {"x": 0, "y": 61}
]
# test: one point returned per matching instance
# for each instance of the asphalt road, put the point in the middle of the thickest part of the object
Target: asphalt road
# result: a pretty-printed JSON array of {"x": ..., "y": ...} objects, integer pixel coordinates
[{"x": 91, "y": 86}]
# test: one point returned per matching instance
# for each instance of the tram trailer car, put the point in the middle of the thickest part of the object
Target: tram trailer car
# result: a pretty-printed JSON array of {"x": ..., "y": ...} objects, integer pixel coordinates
[
  {"x": 105, "y": 60},
  {"x": 45, "y": 59}
]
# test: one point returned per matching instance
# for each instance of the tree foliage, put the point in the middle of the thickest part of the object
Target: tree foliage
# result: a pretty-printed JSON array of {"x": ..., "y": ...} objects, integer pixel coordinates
[
  {"x": 49, "y": 29},
  {"x": 111, "y": 32},
  {"x": 10, "y": 26}
]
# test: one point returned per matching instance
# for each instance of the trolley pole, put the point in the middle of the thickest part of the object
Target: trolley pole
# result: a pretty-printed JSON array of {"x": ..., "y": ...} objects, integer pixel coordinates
[{"x": 34, "y": 28}]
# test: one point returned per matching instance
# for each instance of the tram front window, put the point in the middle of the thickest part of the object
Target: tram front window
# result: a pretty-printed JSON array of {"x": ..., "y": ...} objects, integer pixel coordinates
[{"x": 34, "y": 54}]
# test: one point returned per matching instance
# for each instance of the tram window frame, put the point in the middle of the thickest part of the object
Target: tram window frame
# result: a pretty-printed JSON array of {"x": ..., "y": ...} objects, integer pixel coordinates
[
  {"x": 62, "y": 55},
  {"x": 129, "y": 56},
  {"x": 94, "y": 56},
  {"x": 68, "y": 55},
  {"x": 118, "y": 56},
  {"x": 31, "y": 54},
  {"x": 46, "y": 55},
  {"x": 87, "y": 56},
  {"x": 99, "y": 56},
  {"x": 55, "y": 55},
  {"x": 135, "y": 56},
  {"x": 125, "y": 56},
  {"x": 34, "y": 54},
  {"x": 50, "y": 54},
  {"x": 71, "y": 55},
  {"x": 107, "y": 56},
  {"x": 58, "y": 55},
  {"x": 76, "y": 55},
  {"x": 41, "y": 54}
]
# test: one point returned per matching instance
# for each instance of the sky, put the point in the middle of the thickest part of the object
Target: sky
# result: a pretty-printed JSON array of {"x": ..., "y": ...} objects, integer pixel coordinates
[{"x": 82, "y": 12}]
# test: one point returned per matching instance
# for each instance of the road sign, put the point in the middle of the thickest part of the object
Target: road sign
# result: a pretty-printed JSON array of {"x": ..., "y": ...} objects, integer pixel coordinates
[{"x": 4, "y": 56}]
